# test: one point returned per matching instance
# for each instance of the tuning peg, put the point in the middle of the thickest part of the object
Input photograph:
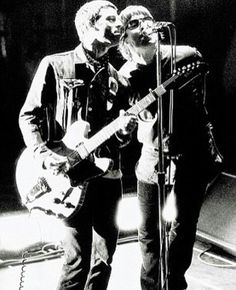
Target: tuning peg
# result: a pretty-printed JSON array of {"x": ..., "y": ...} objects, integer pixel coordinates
[{"x": 189, "y": 67}]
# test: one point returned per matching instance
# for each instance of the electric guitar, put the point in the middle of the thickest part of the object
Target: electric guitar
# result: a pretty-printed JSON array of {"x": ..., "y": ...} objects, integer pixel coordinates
[{"x": 61, "y": 195}]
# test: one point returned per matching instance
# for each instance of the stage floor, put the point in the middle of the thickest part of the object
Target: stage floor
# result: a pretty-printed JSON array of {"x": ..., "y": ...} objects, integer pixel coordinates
[{"x": 210, "y": 270}]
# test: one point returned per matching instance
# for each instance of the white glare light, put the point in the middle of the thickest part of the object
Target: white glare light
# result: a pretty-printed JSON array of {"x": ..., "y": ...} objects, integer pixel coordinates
[
  {"x": 51, "y": 229},
  {"x": 20, "y": 231},
  {"x": 128, "y": 217},
  {"x": 169, "y": 212}
]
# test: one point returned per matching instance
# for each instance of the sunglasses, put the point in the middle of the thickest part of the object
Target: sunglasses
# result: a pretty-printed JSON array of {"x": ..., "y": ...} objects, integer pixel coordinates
[{"x": 132, "y": 24}]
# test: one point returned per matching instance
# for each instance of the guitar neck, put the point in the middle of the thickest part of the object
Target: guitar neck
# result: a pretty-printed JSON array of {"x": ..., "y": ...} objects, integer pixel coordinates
[
  {"x": 187, "y": 72},
  {"x": 108, "y": 131}
]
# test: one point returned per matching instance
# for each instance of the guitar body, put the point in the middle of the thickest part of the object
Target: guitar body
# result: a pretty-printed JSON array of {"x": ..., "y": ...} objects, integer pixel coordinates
[{"x": 58, "y": 195}]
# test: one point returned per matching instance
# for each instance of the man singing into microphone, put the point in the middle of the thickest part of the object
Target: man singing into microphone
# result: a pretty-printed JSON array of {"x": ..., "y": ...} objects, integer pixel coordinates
[{"x": 191, "y": 146}]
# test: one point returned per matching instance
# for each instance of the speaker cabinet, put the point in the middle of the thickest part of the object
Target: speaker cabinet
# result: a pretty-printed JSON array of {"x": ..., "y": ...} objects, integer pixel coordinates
[{"x": 217, "y": 222}]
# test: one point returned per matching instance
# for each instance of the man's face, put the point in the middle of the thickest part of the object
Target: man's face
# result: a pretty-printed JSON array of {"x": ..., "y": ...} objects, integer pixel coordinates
[
  {"x": 138, "y": 31},
  {"x": 108, "y": 26}
]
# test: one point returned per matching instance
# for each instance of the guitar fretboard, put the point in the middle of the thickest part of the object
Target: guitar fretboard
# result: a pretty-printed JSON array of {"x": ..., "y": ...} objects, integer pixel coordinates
[
  {"x": 104, "y": 134},
  {"x": 100, "y": 137}
]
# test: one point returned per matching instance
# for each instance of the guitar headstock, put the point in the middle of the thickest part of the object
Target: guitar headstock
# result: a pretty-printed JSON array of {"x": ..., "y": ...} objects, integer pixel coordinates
[
  {"x": 197, "y": 65},
  {"x": 188, "y": 72}
]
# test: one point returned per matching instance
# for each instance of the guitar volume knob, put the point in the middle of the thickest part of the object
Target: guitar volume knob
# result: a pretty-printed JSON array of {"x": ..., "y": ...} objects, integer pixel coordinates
[{"x": 57, "y": 200}]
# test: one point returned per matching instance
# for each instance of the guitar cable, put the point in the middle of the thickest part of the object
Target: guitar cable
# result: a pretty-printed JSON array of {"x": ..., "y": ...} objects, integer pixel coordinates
[
  {"x": 35, "y": 255},
  {"x": 23, "y": 266},
  {"x": 22, "y": 271}
]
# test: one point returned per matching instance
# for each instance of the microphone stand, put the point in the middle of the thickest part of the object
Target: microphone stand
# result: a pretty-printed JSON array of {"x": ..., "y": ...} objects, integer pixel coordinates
[{"x": 163, "y": 227}]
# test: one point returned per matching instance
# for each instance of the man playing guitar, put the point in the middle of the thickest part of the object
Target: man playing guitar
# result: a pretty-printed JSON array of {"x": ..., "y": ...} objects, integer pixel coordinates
[{"x": 72, "y": 97}]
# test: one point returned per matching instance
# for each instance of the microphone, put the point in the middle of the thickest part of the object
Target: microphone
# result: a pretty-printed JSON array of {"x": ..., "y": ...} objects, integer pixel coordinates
[
  {"x": 161, "y": 25},
  {"x": 157, "y": 27}
]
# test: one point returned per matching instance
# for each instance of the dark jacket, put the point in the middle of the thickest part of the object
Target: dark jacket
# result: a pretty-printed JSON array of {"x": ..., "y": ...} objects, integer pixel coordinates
[
  {"x": 63, "y": 86},
  {"x": 191, "y": 141}
]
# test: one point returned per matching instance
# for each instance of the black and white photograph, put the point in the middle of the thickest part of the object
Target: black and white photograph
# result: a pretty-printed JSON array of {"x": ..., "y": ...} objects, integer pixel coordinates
[{"x": 118, "y": 145}]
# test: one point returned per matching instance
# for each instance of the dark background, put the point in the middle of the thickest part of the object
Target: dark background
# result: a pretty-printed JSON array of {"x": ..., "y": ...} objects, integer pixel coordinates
[{"x": 31, "y": 29}]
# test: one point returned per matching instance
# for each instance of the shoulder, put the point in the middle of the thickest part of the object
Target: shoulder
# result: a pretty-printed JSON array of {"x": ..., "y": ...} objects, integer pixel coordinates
[
  {"x": 122, "y": 79},
  {"x": 127, "y": 68},
  {"x": 63, "y": 63},
  {"x": 59, "y": 58}
]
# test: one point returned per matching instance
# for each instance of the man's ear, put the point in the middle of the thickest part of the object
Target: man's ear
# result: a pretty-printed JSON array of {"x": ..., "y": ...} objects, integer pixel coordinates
[{"x": 96, "y": 26}]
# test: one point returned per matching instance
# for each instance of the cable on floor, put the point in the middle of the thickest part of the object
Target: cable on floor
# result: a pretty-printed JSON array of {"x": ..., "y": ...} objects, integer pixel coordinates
[
  {"x": 226, "y": 262},
  {"x": 48, "y": 251}
]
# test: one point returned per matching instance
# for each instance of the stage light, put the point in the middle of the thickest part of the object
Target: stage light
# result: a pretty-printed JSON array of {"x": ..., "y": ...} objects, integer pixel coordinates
[
  {"x": 128, "y": 217},
  {"x": 169, "y": 212},
  {"x": 22, "y": 230}
]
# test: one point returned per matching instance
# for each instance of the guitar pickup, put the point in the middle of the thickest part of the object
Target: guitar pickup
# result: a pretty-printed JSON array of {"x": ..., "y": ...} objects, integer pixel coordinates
[{"x": 38, "y": 190}]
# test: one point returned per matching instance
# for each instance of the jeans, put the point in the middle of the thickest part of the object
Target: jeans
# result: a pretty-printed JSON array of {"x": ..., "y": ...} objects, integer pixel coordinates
[
  {"x": 92, "y": 237},
  {"x": 189, "y": 190},
  {"x": 148, "y": 235}
]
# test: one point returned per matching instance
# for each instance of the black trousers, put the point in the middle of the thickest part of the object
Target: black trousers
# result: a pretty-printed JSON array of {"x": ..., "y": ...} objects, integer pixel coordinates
[
  {"x": 92, "y": 236},
  {"x": 189, "y": 189}
]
